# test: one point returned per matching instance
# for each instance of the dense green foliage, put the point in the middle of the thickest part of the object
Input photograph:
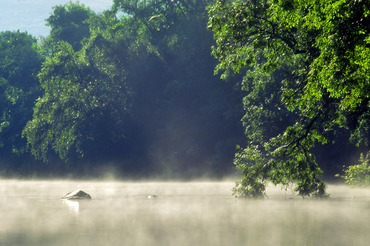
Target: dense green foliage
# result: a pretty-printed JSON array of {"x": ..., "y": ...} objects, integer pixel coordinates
[
  {"x": 358, "y": 175},
  {"x": 70, "y": 23},
  {"x": 83, "y": 92},
  {"x": 131, "y": 90},
  {"x": 309, "y": 75},
  {"x": 20, "y": 61}
]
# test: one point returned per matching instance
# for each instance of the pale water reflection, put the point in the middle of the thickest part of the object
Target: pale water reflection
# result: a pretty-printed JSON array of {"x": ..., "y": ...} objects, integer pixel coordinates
[
  {"x": 74, "y": 206},
  {"x": 183, "y": 213}
]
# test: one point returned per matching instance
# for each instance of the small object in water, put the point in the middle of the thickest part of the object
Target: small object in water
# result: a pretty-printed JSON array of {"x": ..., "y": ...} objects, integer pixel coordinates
[
  {"x": 77, "y": 194},
  {"x": 152, "y": 196}
]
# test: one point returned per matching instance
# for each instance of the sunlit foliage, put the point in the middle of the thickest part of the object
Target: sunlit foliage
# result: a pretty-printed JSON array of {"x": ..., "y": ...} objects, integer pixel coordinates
[
  {"x": 358, "y": 175},
  {"x": 321, "y": 51}
]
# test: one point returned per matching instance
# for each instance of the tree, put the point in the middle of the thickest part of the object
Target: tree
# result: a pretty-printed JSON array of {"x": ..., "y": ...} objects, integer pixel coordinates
[
  {"x": 20, "y": 61},
  {"x": 325, "y": 47},
  {"x": 70, "y": 23},
  {"x": 140, "y": 93},
  {"x": 85, "y": 103}
]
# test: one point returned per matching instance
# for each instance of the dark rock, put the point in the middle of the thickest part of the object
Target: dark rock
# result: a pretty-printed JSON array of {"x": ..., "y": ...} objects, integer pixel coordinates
[{"x": 77, "y": 194}]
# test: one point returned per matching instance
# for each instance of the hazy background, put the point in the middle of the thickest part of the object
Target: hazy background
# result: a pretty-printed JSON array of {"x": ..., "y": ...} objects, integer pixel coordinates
[{"x": 30, "y": 15}]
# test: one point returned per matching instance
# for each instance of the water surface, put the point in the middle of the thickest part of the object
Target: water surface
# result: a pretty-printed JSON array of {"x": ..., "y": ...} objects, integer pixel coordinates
[{"x": 184, "y": 213}]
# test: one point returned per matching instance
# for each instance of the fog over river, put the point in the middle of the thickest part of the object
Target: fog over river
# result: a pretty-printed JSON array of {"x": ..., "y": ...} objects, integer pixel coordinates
[{"x": 183, "y": 213}]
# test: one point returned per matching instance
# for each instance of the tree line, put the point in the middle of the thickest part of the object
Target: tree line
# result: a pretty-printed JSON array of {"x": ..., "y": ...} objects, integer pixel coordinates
[
  {"x": 130, "y": 90},
  {"x": 133, "y": 90}
]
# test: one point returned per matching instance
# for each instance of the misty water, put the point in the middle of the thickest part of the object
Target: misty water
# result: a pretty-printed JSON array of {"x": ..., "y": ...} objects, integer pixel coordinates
[{"x": 183, "y": 213}]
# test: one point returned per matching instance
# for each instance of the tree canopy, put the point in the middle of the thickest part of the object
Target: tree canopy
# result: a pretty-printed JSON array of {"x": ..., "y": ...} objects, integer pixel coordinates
[
  {"x": 70, "y": 23},
  {"x": 83, "y": 91},
  {"x": 132, "y": 89},
  {"x": 20, "y": 61},
  {"x": 136, "y": 92},
  {"x": 316, "y": 56}
]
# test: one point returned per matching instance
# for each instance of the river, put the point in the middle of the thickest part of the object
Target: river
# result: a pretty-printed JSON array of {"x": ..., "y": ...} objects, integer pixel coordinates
[{"x": 183, "y": 213}]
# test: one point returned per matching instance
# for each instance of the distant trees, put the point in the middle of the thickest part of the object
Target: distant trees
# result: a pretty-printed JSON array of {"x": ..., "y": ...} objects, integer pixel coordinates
[
  {"x": 70, "y": 23},
  {"x": 133, "y": 87},
  {"x": 84, "y": 104},
  {"x": 20, "y": 61},
  {"x": 309, "y": 61}
]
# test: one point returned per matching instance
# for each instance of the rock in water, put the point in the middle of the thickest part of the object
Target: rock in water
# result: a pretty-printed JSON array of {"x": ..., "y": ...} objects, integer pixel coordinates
[{"x": 77, "y": 194}]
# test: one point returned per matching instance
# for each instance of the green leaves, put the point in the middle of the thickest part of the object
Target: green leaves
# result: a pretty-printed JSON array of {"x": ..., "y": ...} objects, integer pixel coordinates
[
  {"x": 322, "y": 48},
  {"x": 70, "y": 23},
  {"x": 358, "y": 175},
  {"x": 251, "y": 162},
  {"x": 81, "y": 90},
  {"x": 20, "y": 61}
]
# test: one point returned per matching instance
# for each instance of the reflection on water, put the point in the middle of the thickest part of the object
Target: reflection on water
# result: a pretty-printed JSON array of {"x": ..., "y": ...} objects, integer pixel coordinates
[
  {"x": 73, "y": 206},
  {"x": 192, "y": 213}
]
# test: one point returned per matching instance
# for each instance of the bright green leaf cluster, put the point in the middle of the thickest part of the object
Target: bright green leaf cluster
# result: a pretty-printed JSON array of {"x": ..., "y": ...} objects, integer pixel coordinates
[
  {"x": 308, "y": 72},
  {"x": 358, "y": 175}
]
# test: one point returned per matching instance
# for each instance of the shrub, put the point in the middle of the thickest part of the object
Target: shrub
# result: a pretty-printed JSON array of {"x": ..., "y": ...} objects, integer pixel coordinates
[{"x": 358, "y": 175}]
